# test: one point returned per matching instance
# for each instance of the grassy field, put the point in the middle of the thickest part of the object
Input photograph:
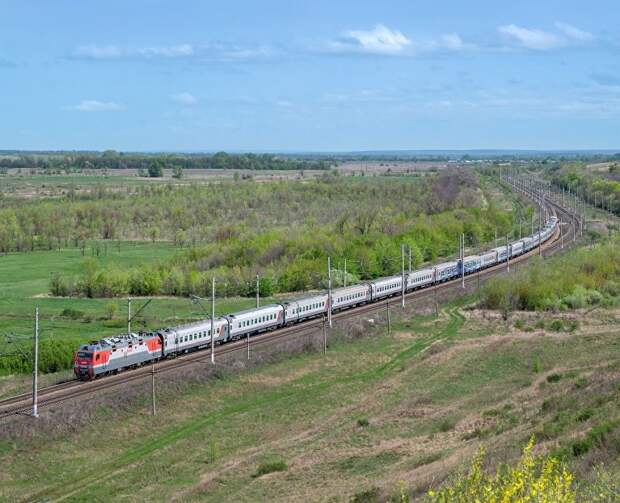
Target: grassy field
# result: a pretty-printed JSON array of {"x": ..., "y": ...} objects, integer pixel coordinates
[
  {"x": 375, "y": 414},
  {"x": 25, "y": 281}
]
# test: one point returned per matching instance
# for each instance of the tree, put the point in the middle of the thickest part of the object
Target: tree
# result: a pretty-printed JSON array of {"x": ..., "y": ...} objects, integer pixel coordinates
[
  {"x": 177, "y": 172},
  {"x": 155, "y": 169}
]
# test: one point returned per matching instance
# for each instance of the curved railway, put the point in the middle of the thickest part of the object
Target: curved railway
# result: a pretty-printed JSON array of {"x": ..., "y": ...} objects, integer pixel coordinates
[{"x": 69, "y": 390}]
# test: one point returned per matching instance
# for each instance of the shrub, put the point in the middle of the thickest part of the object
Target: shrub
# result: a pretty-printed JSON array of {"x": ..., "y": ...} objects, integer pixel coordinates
[
  {"x": 270, "y": 466},
  {"x": 447, "y": 424},
  {"x": 554, "y": 377},
  {"x": 110, "y": 310},
  {"x": 581, "y": 383},
  {"x": 556, "y": 325},
  {"x": 74, "y": 314},
  {"x": 584, "y": 415},
  {"x": 372, "y": 495},
  {"x": 532, "y": 479},
  {"x": 362, "y": 422},
  {"x": 594, "y": 438}
]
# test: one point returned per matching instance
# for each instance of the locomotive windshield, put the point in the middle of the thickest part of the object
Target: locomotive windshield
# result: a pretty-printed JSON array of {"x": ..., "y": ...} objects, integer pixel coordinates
[{"x": 85, "y": 354}]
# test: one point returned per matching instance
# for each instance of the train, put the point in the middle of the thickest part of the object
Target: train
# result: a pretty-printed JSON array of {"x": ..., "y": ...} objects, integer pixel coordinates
[{"x": 115, "y": 354}]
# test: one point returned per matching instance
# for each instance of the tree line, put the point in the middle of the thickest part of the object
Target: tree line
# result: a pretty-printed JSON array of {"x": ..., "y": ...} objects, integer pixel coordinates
[
  {"x": 151, "y": 163},
  {"x": 596, "y": 188}
]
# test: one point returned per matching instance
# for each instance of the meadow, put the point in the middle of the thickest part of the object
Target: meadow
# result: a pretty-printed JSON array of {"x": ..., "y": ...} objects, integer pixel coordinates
[
  {"x": 67, "y": 322},
  {"x": 378, "y": 417}
]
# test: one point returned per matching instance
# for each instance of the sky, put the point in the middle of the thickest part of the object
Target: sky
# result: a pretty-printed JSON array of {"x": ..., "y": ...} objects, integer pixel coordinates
[{"x": 275, "y": 75}]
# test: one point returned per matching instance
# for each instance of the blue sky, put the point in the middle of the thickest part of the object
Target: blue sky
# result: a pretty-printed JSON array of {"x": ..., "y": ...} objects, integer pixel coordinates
[{"x": 313, "y": 75}]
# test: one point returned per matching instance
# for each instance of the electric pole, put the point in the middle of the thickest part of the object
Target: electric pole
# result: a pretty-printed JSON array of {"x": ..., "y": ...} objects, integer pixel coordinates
[
  {"x": 509, "y": 252},
  {"x": 410, "y": 262},
  {"x": 257, "y": 291},
  {"x": 213, "y": 320},
  {"x": 35, "y": 370},
  {"x": 462, "y": 253},
  {"x": 329, "y": 291},
  {"x": 402, "y": 273},
  {"x": 153, "y": 388}
]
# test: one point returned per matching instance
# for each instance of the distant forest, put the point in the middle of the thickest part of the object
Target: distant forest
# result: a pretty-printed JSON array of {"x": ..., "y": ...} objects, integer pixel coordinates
[{"x": 111, "y": 159}]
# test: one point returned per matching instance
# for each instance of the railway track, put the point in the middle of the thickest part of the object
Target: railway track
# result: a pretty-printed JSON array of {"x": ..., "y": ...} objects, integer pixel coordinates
[{"x": 70, "y": 390}]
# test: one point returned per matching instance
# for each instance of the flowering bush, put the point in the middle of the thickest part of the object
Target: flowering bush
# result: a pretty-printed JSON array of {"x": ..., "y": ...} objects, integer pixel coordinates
[{"x": 533, "y": 479}]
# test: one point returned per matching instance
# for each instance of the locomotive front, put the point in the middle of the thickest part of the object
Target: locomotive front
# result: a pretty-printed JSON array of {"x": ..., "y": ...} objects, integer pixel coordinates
[{"x": 83, "y": 363}]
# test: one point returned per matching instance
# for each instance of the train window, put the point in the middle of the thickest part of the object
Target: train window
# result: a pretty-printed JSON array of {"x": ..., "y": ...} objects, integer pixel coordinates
[
  {"x": 176, "y": 341},
  {"x": 98, "y": 357}
]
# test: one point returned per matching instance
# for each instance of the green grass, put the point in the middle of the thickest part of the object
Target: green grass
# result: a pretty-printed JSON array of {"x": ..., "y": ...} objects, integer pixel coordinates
[
  {"x": 209, "y": 442},
  {"x": 25, "y": 284}
]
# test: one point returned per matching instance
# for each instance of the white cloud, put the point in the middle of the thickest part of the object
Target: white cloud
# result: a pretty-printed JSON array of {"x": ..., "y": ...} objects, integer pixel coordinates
[
  {"x": 96, "y": 106},
  {"x": 174, "y": 51},
  {"x": 379, "y": 40},
  {"x": 532, "y": 38},
  {"x": 98, "y": 52},
  {"x": 185, "y": 99},
  {"x": 115, "y": 52},
  {"x": 208, "y": 52},
  {"x": 284, "y": 104},
  {"x": 451, "y": 41},
  {"x": 574, "y": 33},
  {"x": 383, "y": 40}
]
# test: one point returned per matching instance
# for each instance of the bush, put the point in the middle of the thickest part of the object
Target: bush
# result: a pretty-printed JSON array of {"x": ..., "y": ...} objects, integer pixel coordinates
[
  {"x": 556, "y": 325},
  {"x": 584, "y": 415},
  {"x": 519, "y": 324},
  {"x": 447, "y": 424},
  {"x": 581, "y": 383},
  {"x": 594, "y": 438},
  {"x": 554, "y": 377},
  {"x": 362, "y": 422},
  {"x": 372, "y": 495},
  {"x": 74, "y": 314},
  {"x": 270, "y": 466},
  {"x": 532, "y": 479}
]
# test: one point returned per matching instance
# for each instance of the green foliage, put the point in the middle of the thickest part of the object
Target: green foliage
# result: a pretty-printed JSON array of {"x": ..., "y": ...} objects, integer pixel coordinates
[
  {"x": 270, "y": 466},
  {"x": 54, "y": 355},
  {"x": 365, "y": 220},
  {"x": 581, "y": 278},
  {"x": 156, "y": 169},
  {"x": 177, "y": 172},
  {"x": 595, "y": 187},
  {"x": 372, "y": 495},
  {"x": 594, "y": 438},
  {"x": 363, "y": 422},
  {"x": 447, "y": 424},
  {"x": 70, "y": 163}
]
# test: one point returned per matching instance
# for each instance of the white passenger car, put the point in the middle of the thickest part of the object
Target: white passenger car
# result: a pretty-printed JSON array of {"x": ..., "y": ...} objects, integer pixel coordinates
[
  {"x": 385, "y": 287},
  {"x": 516, "y": 248},
  {"x": 350, "y": 296},
  {"x": 306, "y": 307},
  {"x": 418, "y": 279},
  {"x": 193, "y": 335},
  {"x": 488, "y": 259},
  {"x": 446, "y": 270},
  {"x": 255, "y": 320}
]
